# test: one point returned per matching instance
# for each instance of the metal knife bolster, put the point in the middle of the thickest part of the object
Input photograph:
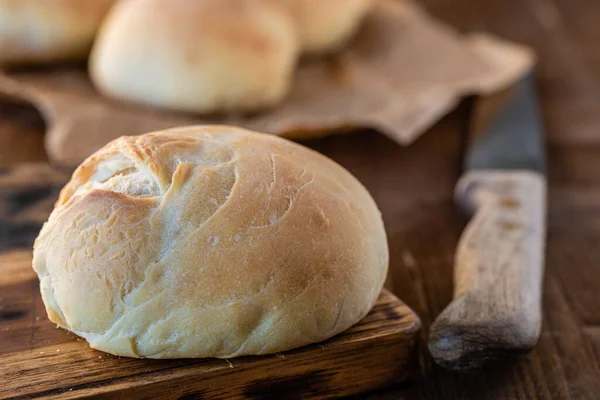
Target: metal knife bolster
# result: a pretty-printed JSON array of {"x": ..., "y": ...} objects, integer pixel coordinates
[{"x": 496, "y": 307}]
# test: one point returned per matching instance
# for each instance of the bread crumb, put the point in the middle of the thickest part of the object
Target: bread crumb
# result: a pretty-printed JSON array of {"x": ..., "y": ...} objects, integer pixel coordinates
[
  {"x": 273, "y": 218},
  {"x": 408, "y": 259}
]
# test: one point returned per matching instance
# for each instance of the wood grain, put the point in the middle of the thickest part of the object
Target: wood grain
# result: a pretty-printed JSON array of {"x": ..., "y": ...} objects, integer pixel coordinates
[
  {"x": 496, "y": 308},
  {"x": 21, "y": 135},
  {"x": 413, "y": 187},
  {"x": 562, "y": 33},
  {"x": 27, "y": 196},
  {"x": 37, "y": 359}
]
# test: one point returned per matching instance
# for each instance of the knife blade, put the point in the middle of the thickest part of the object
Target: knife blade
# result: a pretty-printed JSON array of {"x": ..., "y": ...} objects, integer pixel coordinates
[{"x": 496, "y": 307}]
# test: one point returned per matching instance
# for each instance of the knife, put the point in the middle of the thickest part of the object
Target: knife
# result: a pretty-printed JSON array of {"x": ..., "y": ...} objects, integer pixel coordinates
[{"x": 499, "y": 264}]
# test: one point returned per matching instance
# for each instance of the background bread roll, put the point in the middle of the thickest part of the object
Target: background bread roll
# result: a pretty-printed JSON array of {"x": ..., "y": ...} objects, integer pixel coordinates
[
  {"x": 326, "y": 25},
  {"x": 208, "y": 56},
  {"x": 210, "y": 242},
  {"x": 39, "y": 31},
  {"x": 199, "y": 56}
]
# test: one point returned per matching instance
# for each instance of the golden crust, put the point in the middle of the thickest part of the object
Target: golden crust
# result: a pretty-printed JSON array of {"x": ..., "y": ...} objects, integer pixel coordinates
[
  {"x": 214, "y": 55},
  {"x": 198, "y": 56},
  {"x": 239, "y": 243},
  {"x": 35, "y": 31},
  {"x": 325, "y": 25}
]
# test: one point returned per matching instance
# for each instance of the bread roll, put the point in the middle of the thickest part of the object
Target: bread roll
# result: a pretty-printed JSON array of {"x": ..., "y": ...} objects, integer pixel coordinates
[
  {"x": 200, "y": 56},
  {"x": 326, "y": 25},
  {"x": 209, "y": 242},
  {"x": 207, "y": 56},
  {"x": 40, "y": 31}
]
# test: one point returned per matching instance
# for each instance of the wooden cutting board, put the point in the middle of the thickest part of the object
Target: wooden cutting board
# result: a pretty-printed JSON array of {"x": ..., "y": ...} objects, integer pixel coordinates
[{"x": 38, "y": 360}]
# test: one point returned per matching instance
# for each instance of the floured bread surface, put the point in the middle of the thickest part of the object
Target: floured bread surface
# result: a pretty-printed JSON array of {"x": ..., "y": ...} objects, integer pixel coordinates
[
  {"x": 41, "y": 31},
  {"x": 210, "y": 242}
]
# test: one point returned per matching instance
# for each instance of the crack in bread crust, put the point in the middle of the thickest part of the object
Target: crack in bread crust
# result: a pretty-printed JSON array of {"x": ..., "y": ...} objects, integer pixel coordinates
[{"x": 210, "y": 242}]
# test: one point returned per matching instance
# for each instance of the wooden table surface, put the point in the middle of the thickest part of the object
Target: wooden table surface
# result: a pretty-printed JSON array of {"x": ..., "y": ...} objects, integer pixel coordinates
[{"x": 415, "y": 194}]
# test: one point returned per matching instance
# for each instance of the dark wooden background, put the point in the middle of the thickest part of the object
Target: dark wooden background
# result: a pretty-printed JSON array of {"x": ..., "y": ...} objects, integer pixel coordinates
[{"x": 413, "y": 186}]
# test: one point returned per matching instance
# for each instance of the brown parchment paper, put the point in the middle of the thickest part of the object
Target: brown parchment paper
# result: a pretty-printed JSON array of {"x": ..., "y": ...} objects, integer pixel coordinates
[{"x": 400, "y": 74}]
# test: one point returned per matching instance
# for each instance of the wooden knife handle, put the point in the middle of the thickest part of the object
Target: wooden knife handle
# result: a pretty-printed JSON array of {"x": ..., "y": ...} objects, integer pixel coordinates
[{"x": 496, "y": 308}]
